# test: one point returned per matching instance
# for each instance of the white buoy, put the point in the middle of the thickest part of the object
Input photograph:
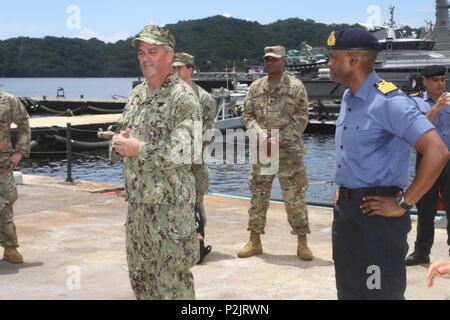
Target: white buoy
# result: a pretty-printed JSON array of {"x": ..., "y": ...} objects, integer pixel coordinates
[{"x": 18, "y": 177}]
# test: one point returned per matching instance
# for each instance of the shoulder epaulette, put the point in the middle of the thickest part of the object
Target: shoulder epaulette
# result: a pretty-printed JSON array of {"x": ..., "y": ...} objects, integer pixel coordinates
[
  {"x": 386, "y": 87},
  {"x": 416, "y": 95}
]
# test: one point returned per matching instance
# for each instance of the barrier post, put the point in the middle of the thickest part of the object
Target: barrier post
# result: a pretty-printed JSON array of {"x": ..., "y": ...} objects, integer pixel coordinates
[{"x": 69, "y": 152}]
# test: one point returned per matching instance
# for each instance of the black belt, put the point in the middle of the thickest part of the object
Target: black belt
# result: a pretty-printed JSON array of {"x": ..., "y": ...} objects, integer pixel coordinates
[{"x": 358, "y": 194}]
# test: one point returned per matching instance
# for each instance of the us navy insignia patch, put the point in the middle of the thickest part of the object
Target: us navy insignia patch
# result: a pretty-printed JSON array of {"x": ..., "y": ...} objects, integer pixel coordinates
[{"x": 386, "y": 87}]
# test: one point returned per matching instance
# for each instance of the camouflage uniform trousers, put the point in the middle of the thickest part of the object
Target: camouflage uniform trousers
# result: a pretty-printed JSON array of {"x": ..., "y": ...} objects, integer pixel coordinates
[
  {"x": 8, "y": 195},
  {"x": 201, "y": 174},
  {"x": 293, "y": 182},
  {"x": 161, "y": 248}
]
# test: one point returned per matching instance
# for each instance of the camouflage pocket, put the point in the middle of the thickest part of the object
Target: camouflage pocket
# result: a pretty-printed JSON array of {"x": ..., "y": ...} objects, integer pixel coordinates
[
  {"x": 8, "y": 190},
  {"x": 182, "y": 246},
  {"x": 3, "y": 203},
  {"x": 300, "y": 178},
  {"x": 178, "y": 221},
  {"x": 260, "y": 185},
  {"x": 180, "y": 254}
]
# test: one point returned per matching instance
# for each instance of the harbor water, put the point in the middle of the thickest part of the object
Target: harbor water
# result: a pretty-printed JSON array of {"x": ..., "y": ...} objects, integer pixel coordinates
[{"x": 227, "y": 177}]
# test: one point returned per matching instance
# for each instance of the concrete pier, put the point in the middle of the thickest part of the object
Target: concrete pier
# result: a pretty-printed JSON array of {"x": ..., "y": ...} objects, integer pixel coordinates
[{"x": 72, "y": 238}]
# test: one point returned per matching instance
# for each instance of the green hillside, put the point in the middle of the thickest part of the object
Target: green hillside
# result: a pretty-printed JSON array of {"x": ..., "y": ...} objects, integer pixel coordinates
[{"x": 216, "y": 42}]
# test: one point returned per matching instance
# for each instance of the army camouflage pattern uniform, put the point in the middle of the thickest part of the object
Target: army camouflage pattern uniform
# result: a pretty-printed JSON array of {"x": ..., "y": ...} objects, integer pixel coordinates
[
  {"x": 281, "y": 105},
  {"x": 161, "y": 238},
  {"x": 201, "y": 171},
  {"x": 207, "y": 105},
  {"x": 11, "y": 111}
]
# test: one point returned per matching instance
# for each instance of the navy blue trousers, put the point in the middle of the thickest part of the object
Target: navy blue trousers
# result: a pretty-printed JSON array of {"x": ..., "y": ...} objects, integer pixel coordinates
[
  {"x": 427, "y": 210},
  {"x": 369, "y": 253}
]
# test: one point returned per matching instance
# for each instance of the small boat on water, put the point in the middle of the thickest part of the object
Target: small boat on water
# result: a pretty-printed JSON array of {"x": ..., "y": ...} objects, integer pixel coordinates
[
  {"x": 402, "y": 57},
  {"x": 229, "y": 107},
  {"x": 73, "y": 106},
  {"x": 230, "y": 103}
]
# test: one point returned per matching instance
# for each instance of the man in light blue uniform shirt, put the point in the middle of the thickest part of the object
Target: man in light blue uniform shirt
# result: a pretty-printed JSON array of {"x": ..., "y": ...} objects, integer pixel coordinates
[
  {"x": 435, "y": 104},
  {"x": 376, "y": 127}
]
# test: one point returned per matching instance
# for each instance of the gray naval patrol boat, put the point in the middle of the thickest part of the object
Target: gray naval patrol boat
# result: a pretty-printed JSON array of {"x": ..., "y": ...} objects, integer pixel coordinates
[{"x": 401, "y": 59}]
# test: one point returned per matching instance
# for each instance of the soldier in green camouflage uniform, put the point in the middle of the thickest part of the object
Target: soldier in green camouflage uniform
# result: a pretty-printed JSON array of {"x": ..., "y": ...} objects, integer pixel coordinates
[
  {"x": 161, "y": 240},
  {"x": 278, "y": 101},
  {"x": 11, "y": 111},
  {"x": 184, "y": 65}
]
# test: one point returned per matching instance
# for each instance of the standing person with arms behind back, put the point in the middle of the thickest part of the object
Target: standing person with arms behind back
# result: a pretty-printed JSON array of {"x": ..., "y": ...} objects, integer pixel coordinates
[
  {"x": 377, "y": 125},
  {"x": 435, "y": 104},
  {"x": 11, "y": 111},
  {"x": 184, "y": 66},
  {"x": 161, "y": 240}
]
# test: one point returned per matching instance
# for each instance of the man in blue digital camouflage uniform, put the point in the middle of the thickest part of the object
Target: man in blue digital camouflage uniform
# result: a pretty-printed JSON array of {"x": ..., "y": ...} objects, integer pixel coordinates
[
  {"x": 434, "y": 103},
  {"x": 376, "y": 127}
]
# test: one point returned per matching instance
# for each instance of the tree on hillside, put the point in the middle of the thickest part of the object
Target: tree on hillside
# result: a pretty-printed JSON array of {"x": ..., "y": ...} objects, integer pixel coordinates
[{"x": 215, "y": 42}]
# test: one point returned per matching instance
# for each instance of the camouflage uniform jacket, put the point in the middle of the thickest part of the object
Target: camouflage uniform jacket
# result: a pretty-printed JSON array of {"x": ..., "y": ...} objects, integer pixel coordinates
[
  {"x": 283, "y": 107},
  {"x": 155, "y": 120},
  {"x": 208, "y": 106},
  {"x": 12, "y": 111}
]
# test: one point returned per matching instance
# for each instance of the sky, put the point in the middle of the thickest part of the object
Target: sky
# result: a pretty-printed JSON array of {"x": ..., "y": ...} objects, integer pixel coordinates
[{"x": 114, "y": 20}]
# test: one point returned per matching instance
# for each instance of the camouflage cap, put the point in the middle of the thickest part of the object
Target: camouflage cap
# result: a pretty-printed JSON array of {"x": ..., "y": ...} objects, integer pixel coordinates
[
  {"x": 182, "y": 59},
  {"x": 276, "y": 52},
  {"x": 155, "y": 35}
]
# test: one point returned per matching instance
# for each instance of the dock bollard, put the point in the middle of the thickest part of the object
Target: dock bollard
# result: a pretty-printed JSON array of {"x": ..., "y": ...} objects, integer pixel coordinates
[{"x": 69, "y": 152}]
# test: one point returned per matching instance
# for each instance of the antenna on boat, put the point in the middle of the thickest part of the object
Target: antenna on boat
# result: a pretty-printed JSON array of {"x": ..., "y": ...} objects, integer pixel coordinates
[{"x": 391, "y": 13}]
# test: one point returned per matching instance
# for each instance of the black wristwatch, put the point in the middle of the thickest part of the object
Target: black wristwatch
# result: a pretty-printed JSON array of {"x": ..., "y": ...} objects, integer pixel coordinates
[{"x": 401, "y": 202}]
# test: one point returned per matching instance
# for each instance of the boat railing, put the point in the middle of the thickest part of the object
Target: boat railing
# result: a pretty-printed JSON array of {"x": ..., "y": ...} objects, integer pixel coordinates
[{"x": 229, "y": 104}]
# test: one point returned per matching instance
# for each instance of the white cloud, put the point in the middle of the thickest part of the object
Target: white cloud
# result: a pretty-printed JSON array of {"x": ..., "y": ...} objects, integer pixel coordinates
[
  {"x": 87, "y": 34},
  {"x": 227, "y": 15}
]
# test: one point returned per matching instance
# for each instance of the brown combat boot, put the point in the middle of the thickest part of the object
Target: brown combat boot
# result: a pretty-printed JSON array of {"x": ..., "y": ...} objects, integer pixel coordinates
[
  {"x": 302, "y": 250},
  {"x": 12, "y": 255},
  {"x": 253, "y": 247}
]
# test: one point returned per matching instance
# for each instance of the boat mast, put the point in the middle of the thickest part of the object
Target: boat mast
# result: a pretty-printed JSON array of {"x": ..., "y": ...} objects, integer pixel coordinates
[
  {"x": 441, "y": 30},
  {"x": 391, "y": 24}
]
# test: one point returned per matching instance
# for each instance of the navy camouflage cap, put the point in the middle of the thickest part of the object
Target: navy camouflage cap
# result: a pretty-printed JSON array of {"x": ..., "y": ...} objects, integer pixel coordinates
[
  {"x": 434, "y": 71},
  {"x": 353, "y": 39},
  {"x": 182, "y": 59},
  {"x": 152, "y": 34}
]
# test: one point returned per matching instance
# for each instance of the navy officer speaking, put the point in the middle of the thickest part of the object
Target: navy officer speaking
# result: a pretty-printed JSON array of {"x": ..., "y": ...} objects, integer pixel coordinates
[{"x": 376, "y": 127}]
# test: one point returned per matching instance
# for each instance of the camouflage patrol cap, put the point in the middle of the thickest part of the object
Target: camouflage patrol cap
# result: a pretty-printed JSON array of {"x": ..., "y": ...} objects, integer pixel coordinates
[
  {"x": 276, "y": 52},
  {"x": 182, "y": 59},
  {"x": 152, "y": 34}
]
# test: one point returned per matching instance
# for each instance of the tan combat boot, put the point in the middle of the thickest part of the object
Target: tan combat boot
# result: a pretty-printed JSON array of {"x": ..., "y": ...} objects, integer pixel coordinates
[
  {"x": 253, "y": 247},
  {"x": 12, "y": 255},
  {"x": 302, "y": 250}
]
